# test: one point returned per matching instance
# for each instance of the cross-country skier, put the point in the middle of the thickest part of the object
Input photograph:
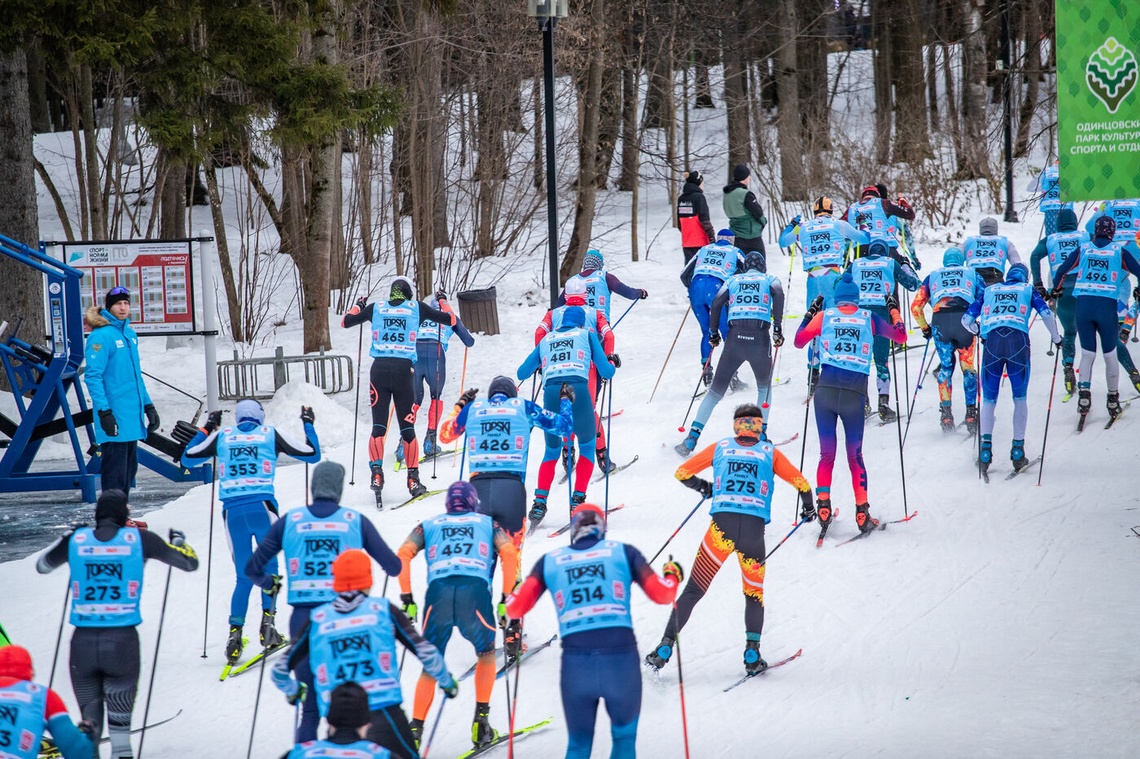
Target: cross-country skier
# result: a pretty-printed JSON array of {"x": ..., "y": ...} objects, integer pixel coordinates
[
  {"x": 574, "y": 294},
  {"x": 1124, "y": 213},
  {"x": 1099, "y": 265},
  {"x": 1048, "y": 183},
  {"x": 878, "y": 276},
  {"x": 246, "y": 456},
  {"x": 431, "y": 368},
  {"x": 950, "y": 291},
  {"x": 106, "y": 566},
  {"x": 565, "y": 357},
  {"x": 460, "y": 546},
  {"x": 395, "y": 324},
  {"x": 348, "y": 719},
  {"x": 873, "y": 214},
  {"x": 590, "y": 581},
  {"x": 1055, "y": 248},
  {"x": 755, "y": 303},
  {"x": 703, "y": 276},
  {"x": 28, "y": 709},
  {"x": 1004, "y": 312},
  {"x": 353, "y": 638},
  {"x": 988, "y": 253},
  {"x": 312, "y": 537},
  {"x": 1126, "y": 318},
  {"x": 693, "y": 216},
  {"x": 601, "y": 285},
  {"x": 746, "y": 217},
  {"x": 823, "y": 243},
  {"x": 497, "y": 430},
  {"x": 744, "y": 469},
  {"x": 845, "y": 334}
]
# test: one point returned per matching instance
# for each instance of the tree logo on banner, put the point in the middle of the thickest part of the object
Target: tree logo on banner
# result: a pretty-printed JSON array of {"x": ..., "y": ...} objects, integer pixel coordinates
[{"x": 1111, "y": 73}]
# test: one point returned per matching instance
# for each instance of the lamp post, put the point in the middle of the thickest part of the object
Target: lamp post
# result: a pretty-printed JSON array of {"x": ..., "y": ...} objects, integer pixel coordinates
[{"x": 547, "y": 13}]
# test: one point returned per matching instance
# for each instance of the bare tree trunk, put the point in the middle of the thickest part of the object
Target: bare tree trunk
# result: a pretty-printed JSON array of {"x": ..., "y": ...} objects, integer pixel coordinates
[
  {"x": 233, "y": 305},
  {"x": 1032, "y": 71},
  {"x": 630, "y": 136},
  {"x": 702, "y": 86},
  {"x": 932, "y": 84},
  {"x": 37, "y": 89},
  {"x": 736, "y": 106},
  {"x": 609, "y": 123},
  {"x": 972, "y": 163},
  {"x": 912, "y": 140},
  {"x": 952, "y": 124},
  {"x": 793, "y": 182},
  {"x": 884, "y": 105},
  {"x": 172, "y": 217},
  {"x": 539, "y": 167},
  {"x": 364, "y": 194},
  {"x": 91, "y": 155}
]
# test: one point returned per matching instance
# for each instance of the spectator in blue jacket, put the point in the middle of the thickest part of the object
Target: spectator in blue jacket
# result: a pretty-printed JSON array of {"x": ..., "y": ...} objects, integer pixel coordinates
[{"x": 124, "y": 411}]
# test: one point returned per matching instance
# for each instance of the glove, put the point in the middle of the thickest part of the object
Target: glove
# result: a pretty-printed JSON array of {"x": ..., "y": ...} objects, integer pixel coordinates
[
  {"x": 904, "y": 203},
  {"x": 274, "y": 585},
  {"x": 440, "y": 295},
  {"x": 796, "y": 220},
  {"x": 777, "y": 337},
  {"x": 1058, "y": 340},
  {"x": 916, "y": 262},
  {"x": 152, "y": 419},
  {"x": 451, "y": 687},
  {"x": 1056, "y": 292},
  {"x": 1124, "y": 333},
  {"x": 361, "y": 302},
  {"x": 1136, "y": 290},
  {"x": 892, "y": 303},
  {"x": 294, "y": 691},
  {"x": 410, "y": 608},
  {"x": 213, "y": 421},
  {"x": 176, "y": 537},
  {"x": 673, "y": 569},
  {"x": 615, "y": 359},
  {"x": 972, "y": 327},
  {"x": 1040, "y": 290},
  {"x": 807, "y": 508},
  {"x": 644, "y": 294},
  {"x": 468, "y": 396},
  {"x": 927, "y": 332},
  {"x": 87, "y": 727},
  {"x": 566, "y": 392},
  {"x": 704, "y": 487},
  {"x": 504, "y": 620},
  {"x": 307, "y": 415},
  {"x": 714, "y": 339},
  {"x": 512, "y": 639},
  {"x": 816, "y": 306},
  {"x": 108, "y": 423}
]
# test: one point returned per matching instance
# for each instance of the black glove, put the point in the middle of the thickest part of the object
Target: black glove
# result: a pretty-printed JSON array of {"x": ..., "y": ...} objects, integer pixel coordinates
[
  {"x": 512, "y": 639},
  {"x": 1124, "y": 333},
  {"x": 1056, "y": 293},
  {"x": 274, "y": 585},
  {"x": 644, "y": 294},
  {"x": 213, "y": 421},
  {"x": 714, "y": 339},
  {"x": 615, "y": 359},
  {"x": 704, "y": 487},
  {"x": 673, "y": 569},
  {"x": 807, "y": 508},
  {"x": 1136, "y": 293},
  {"x": 152, "y": 420},
  {"x": 777, "y": 336},
  {"x": 176, "y": 537},
  {"x": 87, "y": 727},
  {"x": 108, "y": 423},
  {"x": 927, "y": 332},
  {"x": 916, "y": 262},
  {"x": 796, "y": 220},
  {"x": 361, "y": 302},
  {"x": 409, "y": 605},
  {"x": 816, "y": 306},
  {"x": 1042, "y": 291},
  {"x": 566, "y": 392},
  {"x": 440, "y": 295},
  {"x": 307, "y": 415},
  {"x": 468, "y": 396},
  {"x": 892, "y": 303}
]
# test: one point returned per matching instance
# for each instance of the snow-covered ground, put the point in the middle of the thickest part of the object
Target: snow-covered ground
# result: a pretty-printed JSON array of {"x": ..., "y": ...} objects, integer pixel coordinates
[{"x": 1000, "y": 622}]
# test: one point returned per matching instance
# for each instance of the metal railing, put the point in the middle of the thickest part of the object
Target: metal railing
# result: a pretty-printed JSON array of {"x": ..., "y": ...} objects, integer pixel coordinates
[{"x": 262, "y": 377}]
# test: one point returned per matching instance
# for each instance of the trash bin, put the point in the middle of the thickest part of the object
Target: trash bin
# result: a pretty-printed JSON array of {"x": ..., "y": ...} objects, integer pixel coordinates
[{"x": 479, "y": 310}]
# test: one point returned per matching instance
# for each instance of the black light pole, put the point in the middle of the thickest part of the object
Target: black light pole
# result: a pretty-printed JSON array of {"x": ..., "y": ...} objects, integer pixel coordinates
[
  {"x": 1007, "y": 108},
  {"x": 547, "y": 13}
]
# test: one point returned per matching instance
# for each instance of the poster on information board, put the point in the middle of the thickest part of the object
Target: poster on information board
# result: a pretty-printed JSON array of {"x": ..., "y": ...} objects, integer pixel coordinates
[{"x": 158, "y": 273}]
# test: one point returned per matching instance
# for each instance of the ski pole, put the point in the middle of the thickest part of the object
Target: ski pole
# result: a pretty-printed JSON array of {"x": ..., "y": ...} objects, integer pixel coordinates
[
  {"x": 462, "y": 382},
  {"x": 434, "y": 727},
  {"x": 59, "y": 634},
  {"x": 670, "y": 353},
  {"x": 256, "y": 701},
  {"x": 680, "y": 681},
  {"x": 507, "y": 689},
  {"x": 696, "y": 389},
  {"x": 154, "y": 665},
  {"x": 356, "y": 405},
  {"x": 795, "y": 527},
  {"x": 209, "y": 552},
  {"x": 623, "y": 313},
  {"x": 683, "y": 523},
  {"x": 918, "y": 386},
  {"x": 1048, "y": 412},
  {"x": 898, "y": 427},
  {"x": 433, "y": 400},
  {"x": 771, "y": 372},
  {"x": 609, "y": 438},
  {"x": 511, "y": 724}
]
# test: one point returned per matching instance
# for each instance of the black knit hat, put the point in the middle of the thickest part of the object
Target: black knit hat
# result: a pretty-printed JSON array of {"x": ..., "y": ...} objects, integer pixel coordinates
[
  {"x": 112, "y": 504},
  {"x": 740, "y": 173},
  {"x": 694, "y": 177},
  {"x": 114, "y": 295},
  {"x": 348, "y": 707}
]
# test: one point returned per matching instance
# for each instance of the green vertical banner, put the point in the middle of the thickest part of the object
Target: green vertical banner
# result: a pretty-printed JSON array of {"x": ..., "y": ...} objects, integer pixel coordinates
[{"x": 1098, "y": 99}]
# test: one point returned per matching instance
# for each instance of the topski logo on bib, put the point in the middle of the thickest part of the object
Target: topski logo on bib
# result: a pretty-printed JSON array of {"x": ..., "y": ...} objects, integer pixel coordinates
[{"x": 1111, "y": 73}]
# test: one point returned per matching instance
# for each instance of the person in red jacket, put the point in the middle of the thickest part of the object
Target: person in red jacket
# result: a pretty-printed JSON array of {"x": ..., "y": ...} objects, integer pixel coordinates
[
  {"x": 21, "y": 734},
  {"x": 693, "y": 216}
]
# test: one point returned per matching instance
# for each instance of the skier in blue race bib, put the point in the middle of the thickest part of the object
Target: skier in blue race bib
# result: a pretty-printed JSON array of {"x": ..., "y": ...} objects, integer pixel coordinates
[
  {"x": 988, "y": 253},
  {"x": 1048, "y": 183},
  {"x": 348, "y": 718},
  {"x": 1055, "y": 248},
  {"x": 878, "y": 217},
  {"x": 590, "y": 582},
  {"x": 28, "y": 709},
  {"x": 703, "y": 276}
]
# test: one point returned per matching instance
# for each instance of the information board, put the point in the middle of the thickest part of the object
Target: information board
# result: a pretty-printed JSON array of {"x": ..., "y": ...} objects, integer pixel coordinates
[{"x": 158, "y": 273}]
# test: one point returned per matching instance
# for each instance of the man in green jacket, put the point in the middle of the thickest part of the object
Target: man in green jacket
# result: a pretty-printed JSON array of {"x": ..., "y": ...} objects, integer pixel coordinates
[{"x": 745, "y": 216}]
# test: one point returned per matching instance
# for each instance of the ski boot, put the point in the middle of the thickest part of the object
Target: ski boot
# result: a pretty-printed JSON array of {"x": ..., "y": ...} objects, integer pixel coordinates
[
  {"x": 481, "y": 731},
  {"x": 569, "y": 459},
  {"x": 513, "y": 645},
  {"x": 377, "y": 483},
  {"x": 415, "y": 487},
  {"x": 863, "y": 518},
  {"x": 736, "y": 384},
  {"x": 985, "y": 456},
  {"x": 1113, "y": 405},
  {"x": 270, "y": 638},
  {"x": 577, "y": 498},
  {"x": 972, "y": 419},
  {"x": 753, "y": 663},
  {"x": 399, "y": 463},
  {"x": 826, "y": 516},
  {"x": 1070, "y": 379},
  {"x": 886, "y": 413},
  {"x": 689, "y": 444},
  {"x": 947, "y": 420},
  {"x": 602, "y": 459},
  {"x": 659, "y": 657},
  {"x": 537, "y": 512},
  {"x": 1134, "y": 378},
  {"x": 707, "y": 374},
  {"x": 1084, "y": 405},
  {"x": 417, "y": 728},
  {"x": 431, "y": 447},
  {"x": 234, "y": 645},
  {"x": 1017, "y": 455}
]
